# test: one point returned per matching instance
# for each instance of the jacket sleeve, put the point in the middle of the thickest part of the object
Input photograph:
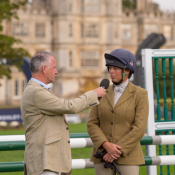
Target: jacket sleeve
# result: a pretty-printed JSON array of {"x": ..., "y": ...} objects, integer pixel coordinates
[
  {"x": 96, "y": 134},
  {"x": 49, "y": 104},
  {"x": 129, "y": 141}
]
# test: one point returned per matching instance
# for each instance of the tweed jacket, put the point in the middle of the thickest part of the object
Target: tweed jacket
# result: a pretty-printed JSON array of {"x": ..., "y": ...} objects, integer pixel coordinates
[
  {"x": 46, "y": 131},
  {"x": 123, "y": 124}
]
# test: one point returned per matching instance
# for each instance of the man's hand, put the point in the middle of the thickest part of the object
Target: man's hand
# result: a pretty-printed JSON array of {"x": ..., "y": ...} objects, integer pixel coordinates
[
  {"x": 100, "y": 92},
  {"x": 112, "y": 149},
  {"x": 108, "y": 158}
]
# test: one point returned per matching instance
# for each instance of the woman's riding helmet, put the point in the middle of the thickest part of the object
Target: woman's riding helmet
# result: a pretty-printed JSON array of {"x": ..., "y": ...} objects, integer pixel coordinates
[{"x": 121, "y": 58}]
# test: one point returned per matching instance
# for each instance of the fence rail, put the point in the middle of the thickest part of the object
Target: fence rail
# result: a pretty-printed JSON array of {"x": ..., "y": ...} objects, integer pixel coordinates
[
  {"x": 85, "y": 163},
  {"x": 15, "y": 142}
]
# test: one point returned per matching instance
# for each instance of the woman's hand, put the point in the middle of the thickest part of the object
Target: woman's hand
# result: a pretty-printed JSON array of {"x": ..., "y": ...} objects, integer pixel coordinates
[
  {"x": 112, "y": 149},
  {"x": 108, "y": 158}
]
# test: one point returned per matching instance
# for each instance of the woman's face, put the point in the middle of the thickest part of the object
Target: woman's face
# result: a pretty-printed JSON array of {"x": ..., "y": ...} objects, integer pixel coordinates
[{"x": 115, "y": 73}]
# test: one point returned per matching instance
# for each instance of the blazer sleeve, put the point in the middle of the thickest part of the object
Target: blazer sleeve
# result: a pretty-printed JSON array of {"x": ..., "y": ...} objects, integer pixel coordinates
[
  {"x": 129, "y": 141},
  {"x": 96, "y": 134},
  {"x": 50, "y": 104}
]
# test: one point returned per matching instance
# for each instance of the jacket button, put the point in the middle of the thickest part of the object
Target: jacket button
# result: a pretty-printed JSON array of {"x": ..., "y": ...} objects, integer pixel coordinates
[
  {"x": 112, "y": 111},
  {"x": 67, "y": 128},
  {"x": 68, "y": 141},
  {"x": 110, "y": 135},
  {"x": 111, "y": 123}
]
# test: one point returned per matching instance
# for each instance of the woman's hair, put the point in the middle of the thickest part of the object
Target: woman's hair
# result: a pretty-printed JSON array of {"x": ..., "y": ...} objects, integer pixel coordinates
[{"x": 130, "y": 75}]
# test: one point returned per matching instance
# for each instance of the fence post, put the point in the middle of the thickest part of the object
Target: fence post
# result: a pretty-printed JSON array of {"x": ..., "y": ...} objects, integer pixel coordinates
[{"x": 148, "y": 85}]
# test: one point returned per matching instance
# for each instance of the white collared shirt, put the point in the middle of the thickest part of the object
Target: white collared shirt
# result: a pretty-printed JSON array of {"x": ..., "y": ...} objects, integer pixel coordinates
[
  {"x": 41, "y": 83},
  {"x": 118, "y": 90}
]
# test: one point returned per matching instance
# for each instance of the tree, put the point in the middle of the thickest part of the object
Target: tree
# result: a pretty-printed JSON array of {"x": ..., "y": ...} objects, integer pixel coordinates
[
  {"x": 129, "y": 4},
  {"x": 132, "y": 5},
  {"x": 8, "y": 54}
]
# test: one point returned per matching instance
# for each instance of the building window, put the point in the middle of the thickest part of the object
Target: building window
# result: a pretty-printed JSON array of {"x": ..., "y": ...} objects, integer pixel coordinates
[
  {"x": 23, "y": 85},
  {"x": 16, "y": 28},
  {"x": 82, "y": 30},
  {"x": 126, "y": 31},
  {"x": 82, "y": 6},
  {"x": 150, "y": 28},
  {"x": 70, "y": 59},
  {"x": 116, "y": 31},
  {"x": 70, "y": 30},
  {"x": 16, "y": 87},
  {"x": 20, "y": 29},
  {"x": 40, "y": 30},
  {"x": 116, "y": 6},
  {"x": 107, "y": 7},
  {"x": 70, "y": 5},
  {"x": 91, "y": 30},
  {"x": 89, "y": 59},
  {"x": 24, "y": 28},
  {"x": 90, "y": 6},
  {"x": 168, "y": 32}
]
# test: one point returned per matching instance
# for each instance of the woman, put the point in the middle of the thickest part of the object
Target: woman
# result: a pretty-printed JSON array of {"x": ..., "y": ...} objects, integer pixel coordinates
[{"x": 119, "y": 122}]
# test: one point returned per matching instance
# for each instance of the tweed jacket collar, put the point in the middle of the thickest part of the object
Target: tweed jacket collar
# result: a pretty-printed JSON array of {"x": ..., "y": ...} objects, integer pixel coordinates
[
  {"x": 33, "y": 83},
  {"x": 126, "y": 94}
]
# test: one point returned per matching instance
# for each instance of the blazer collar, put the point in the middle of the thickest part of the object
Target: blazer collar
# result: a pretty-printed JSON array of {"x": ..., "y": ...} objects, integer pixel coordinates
[
  {"x": 33, "y": 83},
  {"x": 126, "y": 94},
  {"x": 110, "y": 95}
]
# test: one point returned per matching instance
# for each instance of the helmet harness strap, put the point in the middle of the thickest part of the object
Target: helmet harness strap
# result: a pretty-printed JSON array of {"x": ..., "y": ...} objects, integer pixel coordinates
[{"x": 123, "y": 74}]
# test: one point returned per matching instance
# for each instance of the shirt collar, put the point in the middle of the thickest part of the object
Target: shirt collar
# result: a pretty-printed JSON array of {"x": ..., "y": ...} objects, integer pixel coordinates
[
  {"x": 123, "y": 85},
  {"x": 41, "y": 83},
  {"x": 121, "y": 88}
]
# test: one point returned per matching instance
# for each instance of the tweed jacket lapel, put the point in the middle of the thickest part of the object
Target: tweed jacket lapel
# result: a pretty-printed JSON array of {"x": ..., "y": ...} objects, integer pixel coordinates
[
  {"x": 110, "y": 95},
  {"x": 126, "y": 94}
]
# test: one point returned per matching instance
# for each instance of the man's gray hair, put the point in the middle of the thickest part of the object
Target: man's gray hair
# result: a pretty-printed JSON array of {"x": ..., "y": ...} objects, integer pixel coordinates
[{"x": 40, "y": 59}]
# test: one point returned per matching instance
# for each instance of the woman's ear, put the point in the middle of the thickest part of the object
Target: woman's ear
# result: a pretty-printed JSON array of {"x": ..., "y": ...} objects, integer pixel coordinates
[{"x": 127, "y": 71}]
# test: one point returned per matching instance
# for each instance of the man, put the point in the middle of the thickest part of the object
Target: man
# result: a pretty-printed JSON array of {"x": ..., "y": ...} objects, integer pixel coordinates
[{"x": 47, "y": 150}]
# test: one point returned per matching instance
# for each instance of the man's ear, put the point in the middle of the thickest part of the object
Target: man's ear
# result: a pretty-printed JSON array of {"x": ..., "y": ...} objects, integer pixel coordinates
[{"x": 43, "y": 69}]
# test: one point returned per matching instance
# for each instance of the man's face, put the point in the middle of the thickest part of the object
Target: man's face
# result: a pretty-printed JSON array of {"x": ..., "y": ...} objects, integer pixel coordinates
[{"x": 50, "y": 71}]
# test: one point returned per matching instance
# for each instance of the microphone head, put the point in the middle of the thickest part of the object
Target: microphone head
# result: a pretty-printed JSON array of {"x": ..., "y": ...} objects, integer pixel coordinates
[{"x": 104, "y": 83}]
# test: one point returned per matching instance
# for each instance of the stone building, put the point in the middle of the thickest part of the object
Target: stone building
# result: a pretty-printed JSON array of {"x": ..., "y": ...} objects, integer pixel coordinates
[{"x": 79, "y": 32}]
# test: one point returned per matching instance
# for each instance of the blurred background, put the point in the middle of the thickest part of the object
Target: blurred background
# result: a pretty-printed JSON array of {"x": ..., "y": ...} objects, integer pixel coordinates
[{"x": 79, "y": 32}]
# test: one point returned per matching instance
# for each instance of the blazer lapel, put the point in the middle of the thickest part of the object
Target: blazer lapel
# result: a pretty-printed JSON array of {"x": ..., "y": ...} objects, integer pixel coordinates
[
  {"x": 110, "y": 95},
  {"x": 126, "y": 94}
]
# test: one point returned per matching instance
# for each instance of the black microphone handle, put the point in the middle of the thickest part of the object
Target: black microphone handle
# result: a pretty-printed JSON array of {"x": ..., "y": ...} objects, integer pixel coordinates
[{"x": 103, "y": 88}]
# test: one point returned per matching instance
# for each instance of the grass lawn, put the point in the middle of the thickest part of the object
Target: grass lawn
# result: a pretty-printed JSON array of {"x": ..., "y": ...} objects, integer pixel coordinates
[{"x": 12, "y": 156}]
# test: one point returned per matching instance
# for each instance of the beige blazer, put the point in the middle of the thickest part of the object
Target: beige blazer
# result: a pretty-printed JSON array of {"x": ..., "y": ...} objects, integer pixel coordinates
[
  {"x": 47, "y": 133},
  {"x": 123, "y": 124}
]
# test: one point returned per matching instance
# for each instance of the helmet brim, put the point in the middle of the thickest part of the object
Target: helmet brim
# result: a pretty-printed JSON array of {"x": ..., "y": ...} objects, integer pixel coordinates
[{"x": 113, "y": 61}]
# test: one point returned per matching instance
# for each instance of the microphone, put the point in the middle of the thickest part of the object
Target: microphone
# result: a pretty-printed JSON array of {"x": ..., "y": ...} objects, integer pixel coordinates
[{"x": 104, "y": 84}]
